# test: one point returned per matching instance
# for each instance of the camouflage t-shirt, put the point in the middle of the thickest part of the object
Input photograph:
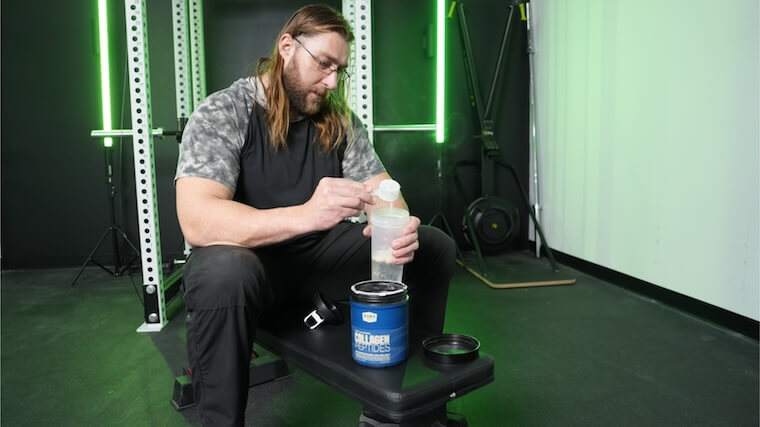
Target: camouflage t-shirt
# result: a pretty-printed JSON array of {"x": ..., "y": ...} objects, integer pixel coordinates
[{"x": 214, "y": 137}]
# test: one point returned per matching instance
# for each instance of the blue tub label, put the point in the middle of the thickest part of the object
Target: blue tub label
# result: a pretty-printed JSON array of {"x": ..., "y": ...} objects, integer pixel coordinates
[
  {"x": 379, "y": 334},
  {"x": 380, "y": 347}
]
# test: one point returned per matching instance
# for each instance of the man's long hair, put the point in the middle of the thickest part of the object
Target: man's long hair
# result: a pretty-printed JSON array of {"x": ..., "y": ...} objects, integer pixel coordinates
[{"x": 334, "y": 117}]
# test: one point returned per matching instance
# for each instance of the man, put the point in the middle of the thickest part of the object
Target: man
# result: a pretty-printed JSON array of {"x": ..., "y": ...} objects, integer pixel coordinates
[{"x": 269, "y": 169}]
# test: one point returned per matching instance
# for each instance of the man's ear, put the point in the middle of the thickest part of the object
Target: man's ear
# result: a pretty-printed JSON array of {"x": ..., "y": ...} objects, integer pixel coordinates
[{"x": 286, "y": 46}]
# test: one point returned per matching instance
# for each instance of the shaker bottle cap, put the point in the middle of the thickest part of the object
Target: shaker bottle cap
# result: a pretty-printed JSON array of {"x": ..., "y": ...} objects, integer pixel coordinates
[{"x": 388, "y": 190}]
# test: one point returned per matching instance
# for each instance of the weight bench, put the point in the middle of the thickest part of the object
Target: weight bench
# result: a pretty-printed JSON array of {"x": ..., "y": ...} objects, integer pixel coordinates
[{"x": 413, "y": 393}]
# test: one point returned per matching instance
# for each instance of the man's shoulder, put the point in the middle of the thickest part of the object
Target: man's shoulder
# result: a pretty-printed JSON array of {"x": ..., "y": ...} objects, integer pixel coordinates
[{"x": 238, "y": 95}]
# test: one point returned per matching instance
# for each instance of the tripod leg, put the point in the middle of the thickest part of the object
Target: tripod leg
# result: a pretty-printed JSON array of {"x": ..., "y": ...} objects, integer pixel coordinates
[
  {"x": 127, "y": 265},
  {"x": 89, "y": 257},
  {"x": 470, "y": 229},
  {"x": 475, "y": 244},
  {"x": 126, "y": 239},
  {"x": 532, "y": 215},
  {"x": 116, "y": 255},
  {"x": 131, "y": 245},
  {"x": 447, "y": 229}
]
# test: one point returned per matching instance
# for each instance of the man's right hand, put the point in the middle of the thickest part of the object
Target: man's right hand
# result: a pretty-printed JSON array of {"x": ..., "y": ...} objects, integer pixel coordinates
[{"x": 335, "y": 199}]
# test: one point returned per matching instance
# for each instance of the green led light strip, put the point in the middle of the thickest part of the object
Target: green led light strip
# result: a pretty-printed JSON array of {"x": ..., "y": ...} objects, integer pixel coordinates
[
  {"x": 105, "y": 72},
  {"x": 440, "y": 68}
]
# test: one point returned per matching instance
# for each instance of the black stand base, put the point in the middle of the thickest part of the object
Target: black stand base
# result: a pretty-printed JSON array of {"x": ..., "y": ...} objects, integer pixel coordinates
[
  {"x": 118, "y": 269},
  {"x": 114, "y": 230}
]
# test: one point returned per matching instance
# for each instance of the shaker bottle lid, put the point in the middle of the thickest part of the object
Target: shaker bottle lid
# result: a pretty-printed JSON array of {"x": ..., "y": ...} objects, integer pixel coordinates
[{"x": 388, "y": 190}]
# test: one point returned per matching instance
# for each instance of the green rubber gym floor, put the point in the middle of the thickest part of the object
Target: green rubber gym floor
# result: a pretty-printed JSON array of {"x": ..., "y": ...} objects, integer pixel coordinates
[{"x": 586, "y": 354}]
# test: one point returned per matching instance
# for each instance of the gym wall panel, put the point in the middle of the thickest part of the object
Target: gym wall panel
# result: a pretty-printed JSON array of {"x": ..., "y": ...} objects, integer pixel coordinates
[{"x": 648, "y": 141}]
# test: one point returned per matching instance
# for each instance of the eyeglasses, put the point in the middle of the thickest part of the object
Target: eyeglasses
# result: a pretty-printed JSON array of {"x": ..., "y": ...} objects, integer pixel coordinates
[{"x": 324, "y": 67}]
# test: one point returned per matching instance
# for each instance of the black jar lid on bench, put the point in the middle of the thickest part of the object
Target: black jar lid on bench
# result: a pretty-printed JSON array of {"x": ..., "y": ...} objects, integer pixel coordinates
[{"x": 451, "y": 348}]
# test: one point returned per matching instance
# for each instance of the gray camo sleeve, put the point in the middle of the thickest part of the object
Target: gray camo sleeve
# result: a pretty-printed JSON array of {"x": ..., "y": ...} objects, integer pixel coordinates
[
  {"x": 213, "y": 140},
  {"x": 360, "y": 161}
]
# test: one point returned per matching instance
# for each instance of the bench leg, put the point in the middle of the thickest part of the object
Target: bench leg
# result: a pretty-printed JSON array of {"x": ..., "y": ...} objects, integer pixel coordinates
[
  {"x": 182, "y": 397},
  {"x": 267, "y": 368},
  {"x": 264, "y": 368},
  {"x": 433, "y": 418},
  {"x": 437, "y": 417}
]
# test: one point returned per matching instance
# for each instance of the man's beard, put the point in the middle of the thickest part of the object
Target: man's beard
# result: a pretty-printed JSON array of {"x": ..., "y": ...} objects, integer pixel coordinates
[{"x": 298, "y": 92}]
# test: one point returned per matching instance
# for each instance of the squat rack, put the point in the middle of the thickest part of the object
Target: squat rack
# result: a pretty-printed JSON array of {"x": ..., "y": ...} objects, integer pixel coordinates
[{"x": 190, "y": 87}]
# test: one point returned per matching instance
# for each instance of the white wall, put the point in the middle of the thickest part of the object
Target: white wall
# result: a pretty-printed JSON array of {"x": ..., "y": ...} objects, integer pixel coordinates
[{"x": 648, "y": 137}]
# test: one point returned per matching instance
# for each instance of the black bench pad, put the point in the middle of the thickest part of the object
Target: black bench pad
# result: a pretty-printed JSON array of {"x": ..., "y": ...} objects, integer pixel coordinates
[{"x": 400, "y": 392}]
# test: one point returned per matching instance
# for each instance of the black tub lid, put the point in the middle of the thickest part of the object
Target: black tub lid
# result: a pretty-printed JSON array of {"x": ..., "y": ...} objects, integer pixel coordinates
[{"x": 451, "y": 348}]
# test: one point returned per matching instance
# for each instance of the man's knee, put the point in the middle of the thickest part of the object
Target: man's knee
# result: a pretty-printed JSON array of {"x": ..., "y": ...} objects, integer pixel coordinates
[
  {"x": 225, "y": 276},
  {"x": 437, "y": 245}
]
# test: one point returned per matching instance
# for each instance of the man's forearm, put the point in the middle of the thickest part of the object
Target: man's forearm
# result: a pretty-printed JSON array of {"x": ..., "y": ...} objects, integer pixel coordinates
[{"x": 228, "y": 222}]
